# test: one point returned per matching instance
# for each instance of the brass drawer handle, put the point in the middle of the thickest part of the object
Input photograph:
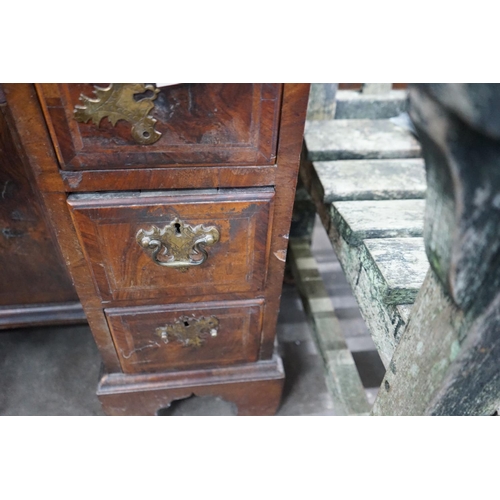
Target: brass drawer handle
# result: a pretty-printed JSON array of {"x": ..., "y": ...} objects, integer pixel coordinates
[
  {"x": 190, "y": 332},
  {"x": 117, "y": 103},
  {"x": 177, "y": 243}
]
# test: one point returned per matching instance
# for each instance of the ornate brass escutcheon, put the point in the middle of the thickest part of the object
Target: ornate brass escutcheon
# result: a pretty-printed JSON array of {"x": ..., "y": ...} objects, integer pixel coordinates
[
  {"x": 190, "y": 332},
  {"x": 178, "y": 244},
  {"x": 117, "y": 102}
]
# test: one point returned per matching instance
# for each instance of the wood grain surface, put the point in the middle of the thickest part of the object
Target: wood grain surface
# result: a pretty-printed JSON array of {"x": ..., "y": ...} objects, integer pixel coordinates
[
  {"x": 140, "y": 349},
  {"x": 228, "y": 157},
  {"x": 32, "y": 270},
  {"x": 107, "y": 226},
  {"x": 201, "y": 124}
]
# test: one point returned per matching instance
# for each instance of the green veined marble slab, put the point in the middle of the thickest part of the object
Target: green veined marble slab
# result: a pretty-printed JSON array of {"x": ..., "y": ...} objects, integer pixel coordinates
[
  {"x": 359, "y": 220},
  {"x": 397, "y": 268},
  {"x": 377, "y": 298},
  {"x": 347, "y": 180},
  {"x": 358, "y": 139}
]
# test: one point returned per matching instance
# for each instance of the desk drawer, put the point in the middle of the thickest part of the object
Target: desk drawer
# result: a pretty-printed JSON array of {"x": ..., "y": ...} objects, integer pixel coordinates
[
  {"x": 183, "y": 124},
  {"x": 175, "y": 244},
  {"x": 182, "y": 336}
]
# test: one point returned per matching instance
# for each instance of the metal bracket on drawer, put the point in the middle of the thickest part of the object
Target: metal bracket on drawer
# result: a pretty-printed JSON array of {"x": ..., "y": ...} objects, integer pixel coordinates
[
  {"x": 190, "y": 332},
  {"x": 178, "y": 244},
  {"x": 117, "y": 102}
]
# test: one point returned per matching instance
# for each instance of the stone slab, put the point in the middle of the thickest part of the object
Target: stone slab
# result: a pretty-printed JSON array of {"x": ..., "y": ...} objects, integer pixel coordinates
[
  {"x": 357, "y": 105},
  {"x": 359, "y": 220},
  {"x": 358, "y": 139},
  {"x": 347, "y": 180},
  {"x": 384, "y": 321},
  {"x": 398, "y": 267}
]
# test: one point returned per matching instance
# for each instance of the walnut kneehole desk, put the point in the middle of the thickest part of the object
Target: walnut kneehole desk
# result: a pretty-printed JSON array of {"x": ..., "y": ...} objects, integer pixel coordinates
[{"x": 171, "y": 207}]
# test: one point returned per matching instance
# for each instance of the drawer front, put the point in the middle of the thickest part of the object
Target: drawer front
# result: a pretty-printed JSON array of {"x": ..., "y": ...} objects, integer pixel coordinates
[
  {"x": 146, "y": 246},
  {"x": 196, "y": 124},
  {"x": 184, "y": 336}
]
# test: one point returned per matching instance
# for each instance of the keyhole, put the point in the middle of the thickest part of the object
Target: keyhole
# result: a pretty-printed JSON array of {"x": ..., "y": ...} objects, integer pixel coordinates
[
  {"x": 145, "y": 134},
  {"x": 177, "y": 228},
  {"x": 186, "y": 323}
]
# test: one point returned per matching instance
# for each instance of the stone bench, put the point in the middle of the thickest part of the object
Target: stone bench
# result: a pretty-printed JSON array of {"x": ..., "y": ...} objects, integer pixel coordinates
[
  {"x": 373, "y": 212},
  {"x": 368, "y": 185}
]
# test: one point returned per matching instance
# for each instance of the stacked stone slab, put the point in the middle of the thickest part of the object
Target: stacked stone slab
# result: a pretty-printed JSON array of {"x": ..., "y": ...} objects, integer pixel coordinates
[
  {"x": 442, "y": 352},
  {"x": 367, "y": 181}
]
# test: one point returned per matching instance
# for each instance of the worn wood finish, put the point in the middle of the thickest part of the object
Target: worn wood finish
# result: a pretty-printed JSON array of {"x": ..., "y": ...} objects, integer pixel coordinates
[
  {"x": 253, "y": 144},
  {"x": 201, "y": 124},
  {"x": 255, "y": 388},
  {"x": 169, "y": 178},
  {"x": 107, "y": 225},
  {"x": 342, "y": 376},
  {"x": 32, "y": 270},
  {"x": 22, "y": 316},
  {"x": 30, "y": 134},
  {"x": 290, "y": 142},
  {"x": 236, "y": 339},
  {"x": 350, "y": 86}
]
